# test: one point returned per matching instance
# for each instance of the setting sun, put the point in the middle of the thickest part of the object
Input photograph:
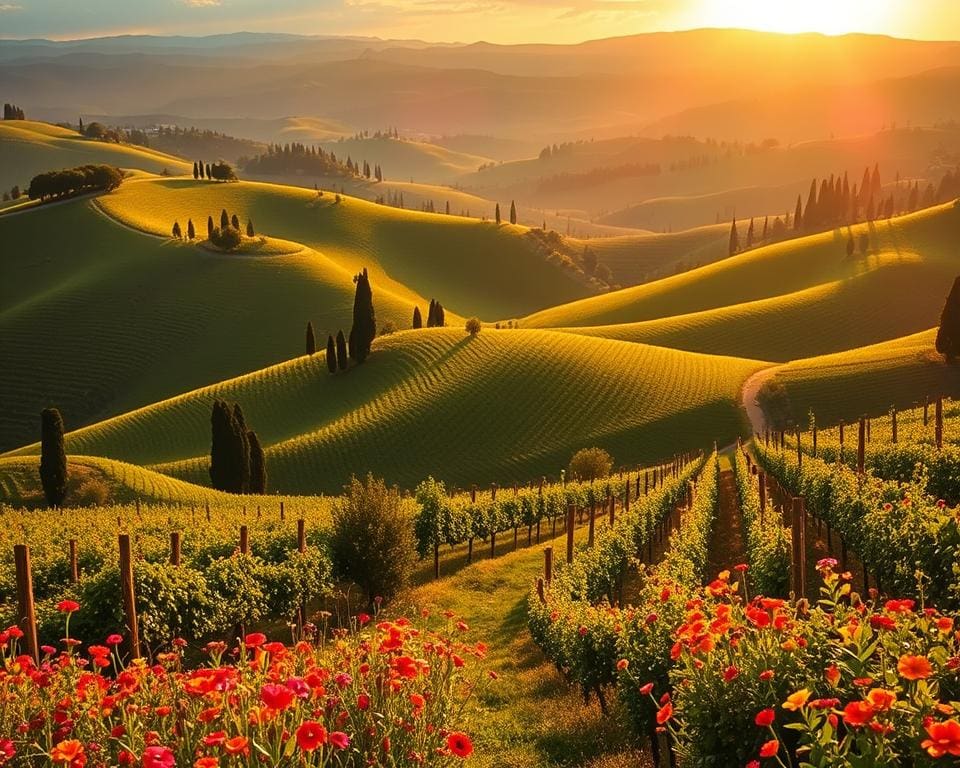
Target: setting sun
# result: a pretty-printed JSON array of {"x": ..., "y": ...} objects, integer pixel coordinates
[{"x": 832, "y": 17}]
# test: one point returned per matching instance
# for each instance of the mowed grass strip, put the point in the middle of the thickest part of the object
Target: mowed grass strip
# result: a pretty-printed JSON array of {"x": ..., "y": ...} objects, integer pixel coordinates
[{"x": 504, "y": 406}]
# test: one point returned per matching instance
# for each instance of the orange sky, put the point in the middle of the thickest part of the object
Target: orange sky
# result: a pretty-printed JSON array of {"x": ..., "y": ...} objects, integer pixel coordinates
[{"x": 506, "y": 21}]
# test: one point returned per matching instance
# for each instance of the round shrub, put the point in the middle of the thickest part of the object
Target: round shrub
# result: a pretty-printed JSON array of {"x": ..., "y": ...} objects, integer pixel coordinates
[{"x": 589, "y": 464}]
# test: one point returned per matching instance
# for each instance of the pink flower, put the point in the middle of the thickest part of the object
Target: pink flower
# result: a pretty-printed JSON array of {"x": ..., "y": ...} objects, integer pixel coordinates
[{"x": 339, "y": 740}]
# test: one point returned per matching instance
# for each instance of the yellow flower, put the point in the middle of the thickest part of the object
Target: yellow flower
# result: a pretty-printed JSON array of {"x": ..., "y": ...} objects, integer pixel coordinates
[{"x": 797, "y": 700}]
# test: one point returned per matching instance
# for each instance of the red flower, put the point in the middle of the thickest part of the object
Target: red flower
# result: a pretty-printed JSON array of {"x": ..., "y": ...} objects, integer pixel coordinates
[
  {"x": 254, "y": 639},
  {"x": 238, "y": 745},
  {"x": 857, "y": 713},
  {"x": 114, "y": 639},
  {"x": 311, "y": 735},
  {"x": 68, "y": 606},
  {"x": 765, "y": 717},
  {"x": 339, "y": 740},
  {"x": 730, "y": 673},
  {"x": 363, "y": 702},
  {"x": 770, "y": 748},
  {"x": 664, "y": 713},
  {"x": 275, "y": 696},
  {"x": 944, "y": 739},
  {"x": 158, "y": 757},
  {"x": 645, "y": 689},
  {"x": 914, "y": 667},
  {"x": 459, "y": 744}
]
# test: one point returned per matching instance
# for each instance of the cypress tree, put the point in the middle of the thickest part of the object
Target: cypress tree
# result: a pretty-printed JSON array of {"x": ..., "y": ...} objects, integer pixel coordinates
[
  {"x": 208, "y": 171},
  {"x": 191, "y": 232},
  {"x": 948, "y": 334},
  {"x": 448, "y": 207},
  {"x": 200, "y": 169},
  {"x": 235, "y": 222},
  {"x": 342, "y": 360},
  {"x": 221, "y": 432},
  {"x": 224, "y": 219},
  {"x": 810, "y": 214},
  {"x": 513, "y": 212},
  {"x": 209, "y": 226},
  {"x": 53, "y": 457},
  {"x": 250, "y": 232},
  {"x": 766, "y": 222},
  {"x": 258, "y": 465},
  {"x": 750, "y": 235},
  {"x": 331, "y": 355},
  {"x": 734, "y": 238},
  {"x": 798, "y": 214},
  {"x": 196, "y": 173},
  {"x": 417, "y": 320},
  {"x": 432, "y": 314},
  {"x": 497, "y": 213},
  {"x": 241, "y": 449},
  {"x": 177, "y": 232},
  {"x": 311, "y": 339},
  {"x": 441, "y": 316},
  {"x": 364, "y": 329}
]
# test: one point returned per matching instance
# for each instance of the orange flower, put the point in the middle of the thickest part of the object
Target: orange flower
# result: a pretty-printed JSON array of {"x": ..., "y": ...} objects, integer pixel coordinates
[
  {"x": 914, "y": 667},
  {"x": 833, "y": 675},
  {"x": 459, "y": 744},
  {"x": 944, "y": 739},
  {"x": 69, "y": 752},
  {"x": 770, "y": 748},
  {"x": 881, "y": 700},
  {"x": 664, "y": 713},
  {"x": 238, "y": 745},
  {"x": 797, "y": 700}
]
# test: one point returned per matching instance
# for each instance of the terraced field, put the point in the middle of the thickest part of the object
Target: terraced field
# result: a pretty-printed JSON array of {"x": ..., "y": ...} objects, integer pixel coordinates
[
  {"x": 504, "y": 406},
  {"x": 411, "y": 254},
  {"x": 926, "y": 239},
  {"x": 28, "y": 148},
  {"x": 849, "y": 384}
]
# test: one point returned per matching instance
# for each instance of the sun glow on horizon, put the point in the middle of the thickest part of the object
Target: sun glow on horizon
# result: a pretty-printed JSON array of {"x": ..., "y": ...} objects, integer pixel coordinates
[{"x": 830, "y": 17}]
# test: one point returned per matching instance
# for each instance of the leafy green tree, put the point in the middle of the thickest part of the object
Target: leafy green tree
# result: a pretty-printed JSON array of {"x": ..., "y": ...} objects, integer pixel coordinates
[
  {"x": 372, "y": 541},
  {"x": 417, "y": 319},
  {"x": 473, "y": 326},
  {"x": 258, "y": 465},
  {"x": 221, "y": 172},
  {"x": 311, "y": 339},
  {"x": 342, "y": 359},
  {"x": 364, "y": 329},
  {"x": 53, "y": 457},
  {"x": 948, "y": 334},
  {"x": 331, "y": 355},
  {"x": 590, "y": 464}
]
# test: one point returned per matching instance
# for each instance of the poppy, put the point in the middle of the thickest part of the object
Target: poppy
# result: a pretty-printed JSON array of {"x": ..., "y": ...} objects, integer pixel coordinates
[
  {"x": 459, "y": 744},
  {"x": 311, "y": 735},
  {"x": 765, "y": 718},
  {"x": 770, "y": 748},
  {"x": 944, "y": 739},
  {"x": 158, "y": 757}
]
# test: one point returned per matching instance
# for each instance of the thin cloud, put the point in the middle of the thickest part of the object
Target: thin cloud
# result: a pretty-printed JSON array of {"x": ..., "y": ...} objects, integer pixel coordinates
[
  {"x": 202, "y": 3},
  {"x": 4, "y": 7}
]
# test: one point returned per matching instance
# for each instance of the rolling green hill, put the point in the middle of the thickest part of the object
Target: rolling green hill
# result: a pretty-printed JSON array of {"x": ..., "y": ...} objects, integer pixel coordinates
[
  {"x": 846, "y": 385},
  {"x": 918, "y": 247},
  {"x": 506, "y": 405},
  {"x": 28, "y": 148}
]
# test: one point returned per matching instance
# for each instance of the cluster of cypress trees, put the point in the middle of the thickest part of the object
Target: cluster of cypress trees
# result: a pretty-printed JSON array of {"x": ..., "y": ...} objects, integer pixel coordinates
[
  {"x": 337, "y": 353},
  {"x": 364, "y": 329},
  {"x": 236, "y": 457},
  {"x": 213, "y": 232},
  {"x": 436, "y": 317},
  {"x": 219, "y": 171},
  {"x": 12, "y": 112}
]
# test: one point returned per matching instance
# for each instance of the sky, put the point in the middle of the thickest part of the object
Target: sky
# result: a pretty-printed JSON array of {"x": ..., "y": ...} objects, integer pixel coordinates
[{"x": 501, "y": 21}]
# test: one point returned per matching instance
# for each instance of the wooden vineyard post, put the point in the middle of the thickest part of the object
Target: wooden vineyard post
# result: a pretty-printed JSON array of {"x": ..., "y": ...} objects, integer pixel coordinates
[
  {"x": 840, "y": 452},
  {"x": 301, "y": 535},
  {"x": 129, "y": 598},
  {"x": 626, "y": 497},
  {"x": 493, "y": 491},
  {"x": 74, "y": 564},
  {"x": 799, "y": 548},
  {"x": 646, "y": 483},
  {"x": 570, "y": 514},
  {"x": 613, "y": 512},
  {"x": 473, "y": 494},
  {"x": 593, "y": 517},
  {"x": 814, "y": 441},
  {"x": 26, "y": 611},
  {"x": 493, "y": 544},
  {"x": 861, "y": 446},
  {"x": 540, "y": 590},
  {"x": 282, "y": 515},
  {"x": 244, "y": 540},
  {"x": 547, "y": 564},
  {"x": 762, "y": 490},
  {"x": 926, "y": 406},
  {"x": 174, "y": 547},
  {"x": 893, "y": 425},
  {"x": 938, "y": 427},
  {"x": 207, "y": 507}
]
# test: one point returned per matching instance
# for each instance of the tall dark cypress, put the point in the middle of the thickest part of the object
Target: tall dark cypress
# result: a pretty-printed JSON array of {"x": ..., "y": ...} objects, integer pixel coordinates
[
  {"x": 221, "y": 437},
  {"x": 342, "y": 360},
  {"x": 417, "y": 319},
  {"x": 53, "y": 457},
  {"x": 364, "y": 329},
  {"x": 224, "y": 219},
  {"x": 497, "y": 213},
  {"x": 734, "y": 239},
  {"x": 196, "y": 173},
  {"x": 441, "y": 316},
  {"x": 798, "y": 214},
  {"x": 948, "y": 334},
  {"x": 241, "y": 448},
  {"x": 513, "y": 212},
  {"x": 311, "y": 339},
  {"x": 200, "y": 169},
  {"x": 258, "y": 464},
  {"x": 209, "y": 226},
  {"x": 432, "y": 314},
  {"x": 810, "y": 213},
  {"x": 331, "y": 355},
  {"x": 208, "y": 171}
]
